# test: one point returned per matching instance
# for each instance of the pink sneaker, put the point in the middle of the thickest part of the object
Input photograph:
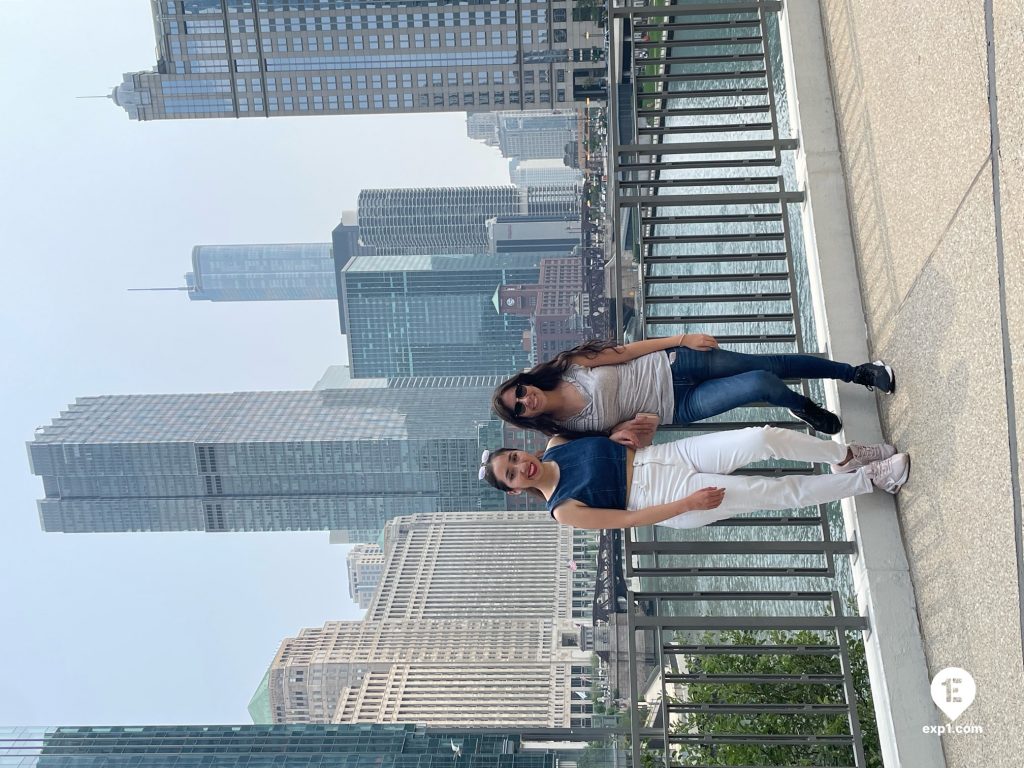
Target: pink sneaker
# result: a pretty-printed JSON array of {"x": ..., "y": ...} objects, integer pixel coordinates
[
  {"x": 890, "y": 474},
  {"x": 863, "y": 455}
]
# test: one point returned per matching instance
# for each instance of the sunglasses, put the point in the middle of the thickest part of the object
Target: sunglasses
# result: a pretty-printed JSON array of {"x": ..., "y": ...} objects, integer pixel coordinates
[
  {"x": 483, "y": 463},
  {"x": 519, "y": 408}
]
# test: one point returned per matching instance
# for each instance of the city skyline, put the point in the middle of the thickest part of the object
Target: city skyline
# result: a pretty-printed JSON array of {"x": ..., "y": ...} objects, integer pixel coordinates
[{"x": 96, "y": 204}]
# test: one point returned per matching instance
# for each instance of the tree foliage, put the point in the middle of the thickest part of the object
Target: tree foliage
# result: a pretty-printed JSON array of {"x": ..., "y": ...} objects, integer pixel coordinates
[{"x": 803, "y": 723}]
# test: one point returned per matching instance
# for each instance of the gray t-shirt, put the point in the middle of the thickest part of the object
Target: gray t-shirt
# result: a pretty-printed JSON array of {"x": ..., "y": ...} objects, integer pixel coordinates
[{"x": 617, "y": 393}]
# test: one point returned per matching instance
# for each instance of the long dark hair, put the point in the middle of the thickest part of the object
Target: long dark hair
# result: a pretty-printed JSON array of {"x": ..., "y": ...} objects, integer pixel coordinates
[{"x": 546, "y": 376}]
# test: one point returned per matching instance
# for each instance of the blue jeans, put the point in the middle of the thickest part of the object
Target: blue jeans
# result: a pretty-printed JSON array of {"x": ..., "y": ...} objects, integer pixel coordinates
[{"x": 709, "y": 383}]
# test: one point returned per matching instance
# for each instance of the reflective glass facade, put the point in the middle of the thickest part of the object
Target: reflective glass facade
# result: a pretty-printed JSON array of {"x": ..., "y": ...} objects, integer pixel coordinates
[
  {"x": 265, "y": 746},
  {"x": 534, "y": 137},
  {"x": 262, "y": 272},
  {"x": 264, "y": 58},
  {"x": 435, "y": 315},
  {"x": 343, "y": 460},
  {"x": 447, "y": 220}
]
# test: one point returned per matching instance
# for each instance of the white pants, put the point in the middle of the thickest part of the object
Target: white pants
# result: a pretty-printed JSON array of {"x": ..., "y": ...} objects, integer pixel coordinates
[{"x": 668, "y": 472}]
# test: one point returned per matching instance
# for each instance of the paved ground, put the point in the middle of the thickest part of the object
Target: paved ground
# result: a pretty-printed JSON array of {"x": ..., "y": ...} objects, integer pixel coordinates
[{"x": 910, "y": 82}]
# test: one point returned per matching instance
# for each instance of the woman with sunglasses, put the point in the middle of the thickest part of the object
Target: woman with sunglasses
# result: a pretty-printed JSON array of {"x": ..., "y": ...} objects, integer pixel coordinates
[
  {"x": 626, "y": 391},
  {"x": 594, "y": 482}
]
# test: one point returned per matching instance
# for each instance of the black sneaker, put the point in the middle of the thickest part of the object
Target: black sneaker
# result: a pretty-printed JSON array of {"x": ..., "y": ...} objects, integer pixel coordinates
[
  {"x": 821, "y": 420},
  {"x": 876, "y": 375}
]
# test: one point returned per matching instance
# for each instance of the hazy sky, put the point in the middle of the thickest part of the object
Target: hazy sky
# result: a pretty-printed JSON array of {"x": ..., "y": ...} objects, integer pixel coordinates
[{"x": 179, "y": 627}]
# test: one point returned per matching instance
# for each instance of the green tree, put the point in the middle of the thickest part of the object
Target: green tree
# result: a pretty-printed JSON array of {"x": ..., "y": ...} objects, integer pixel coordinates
[{"x": 776, "y": 693}]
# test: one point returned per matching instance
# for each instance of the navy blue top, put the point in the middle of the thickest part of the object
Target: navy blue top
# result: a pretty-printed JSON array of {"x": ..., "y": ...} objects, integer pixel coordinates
[{"x": 591, "y": 470}]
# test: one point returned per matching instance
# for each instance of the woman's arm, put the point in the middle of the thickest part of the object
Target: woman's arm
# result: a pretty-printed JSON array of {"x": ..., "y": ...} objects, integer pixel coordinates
[
  {"x": 580, "y": 515},
  {"x": 702, "y": 342},
  {"x": 637, "y": 432},
  {"x": 556, "y": 440}
]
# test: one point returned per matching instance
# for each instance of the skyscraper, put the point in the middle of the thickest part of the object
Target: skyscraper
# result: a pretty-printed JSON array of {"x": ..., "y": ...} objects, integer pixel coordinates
[
  {"x": 539, "y": 173},
  {"x": 434, "y": 315},
  {"x": 387, "y": 745},
  {"x": 535, "y": 134},
  {"x": 264, "y": 58},
  {"x": 365, "y": 566},
  {"x": 343, "y": 460},
  {"x": 262, "y": 272},
  {"x": 443, "y": 220},
  {"x": 445, "y": 642}
]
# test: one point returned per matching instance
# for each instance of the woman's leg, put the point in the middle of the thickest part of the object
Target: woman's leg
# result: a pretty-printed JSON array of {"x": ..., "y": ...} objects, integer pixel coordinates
[
  {"x": 693, "y": 367},
  {"x": 720, "y": 453},
  {"x": 671, "y": 471},
  {"x": 749, "y": 493},
  {"x": 716, "y": 396}
]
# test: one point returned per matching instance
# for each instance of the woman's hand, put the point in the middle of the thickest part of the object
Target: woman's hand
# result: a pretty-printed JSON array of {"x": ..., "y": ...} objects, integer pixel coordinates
[
  {"x": 705, "y": 498},
  {"x": 636, "y": 433},
  {"x": 702, "y": 342}
]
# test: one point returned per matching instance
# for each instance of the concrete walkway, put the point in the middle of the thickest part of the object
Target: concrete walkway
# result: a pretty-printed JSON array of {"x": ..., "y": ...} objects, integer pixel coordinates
[{"x": 910, "y": 82}]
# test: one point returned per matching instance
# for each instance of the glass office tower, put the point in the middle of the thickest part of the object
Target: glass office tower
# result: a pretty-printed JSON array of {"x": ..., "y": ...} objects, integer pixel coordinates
[
  {"x": 435, "y": 315},
  {"x": 269, "y": 58},
  {"x": 279, "y": 272},
  {"x": 341, "y": 460},
  {"x": 266, "y": 746},
  {"x": 446, "y": 220}
]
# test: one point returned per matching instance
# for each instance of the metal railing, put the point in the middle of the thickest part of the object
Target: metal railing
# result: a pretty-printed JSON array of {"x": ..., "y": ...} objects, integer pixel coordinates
[{"x": 696, "y": 175}]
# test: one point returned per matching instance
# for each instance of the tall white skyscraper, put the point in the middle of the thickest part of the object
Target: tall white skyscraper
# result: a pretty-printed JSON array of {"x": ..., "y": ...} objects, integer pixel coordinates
[{"x": 477, "y": 621}]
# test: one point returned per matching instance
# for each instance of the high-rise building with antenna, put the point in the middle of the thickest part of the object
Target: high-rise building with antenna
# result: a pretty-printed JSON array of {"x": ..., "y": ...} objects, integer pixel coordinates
[{"x": 270, "y": 58}]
